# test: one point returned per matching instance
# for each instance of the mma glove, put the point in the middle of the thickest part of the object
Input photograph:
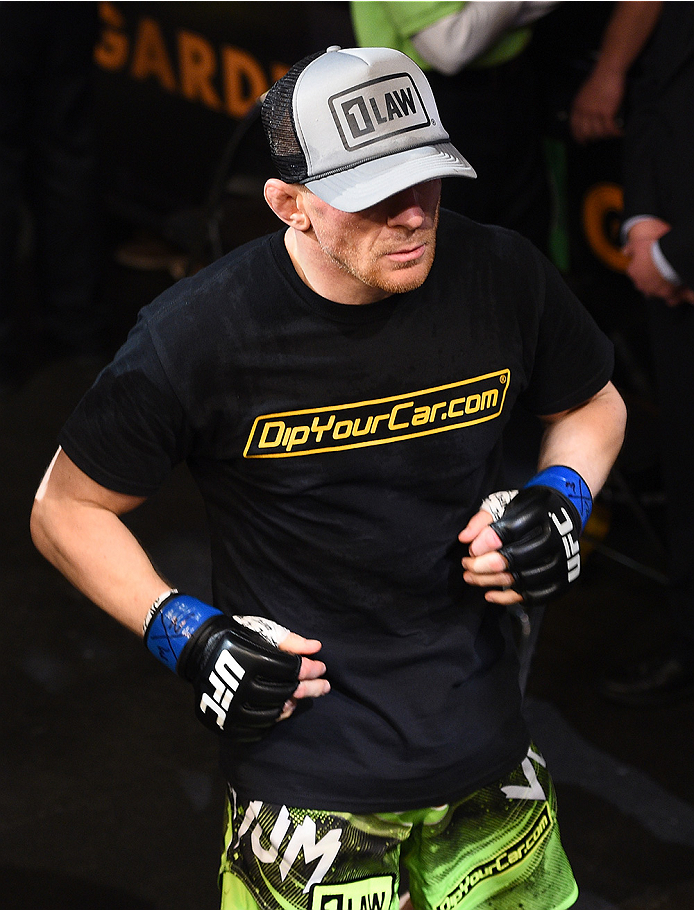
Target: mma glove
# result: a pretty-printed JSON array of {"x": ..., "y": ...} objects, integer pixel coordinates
[
  {"x": 240, "y": 677},
  {"x": 539, "y": 528}
]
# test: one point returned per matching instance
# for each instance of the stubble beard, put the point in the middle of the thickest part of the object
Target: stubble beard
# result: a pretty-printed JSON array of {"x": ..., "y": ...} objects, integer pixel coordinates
[{"x": 370, "y": 273}]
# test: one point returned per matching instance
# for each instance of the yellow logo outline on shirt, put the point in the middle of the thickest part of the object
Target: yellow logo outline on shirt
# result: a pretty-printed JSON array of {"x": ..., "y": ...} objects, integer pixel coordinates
[{"x": 335, "y": 428}]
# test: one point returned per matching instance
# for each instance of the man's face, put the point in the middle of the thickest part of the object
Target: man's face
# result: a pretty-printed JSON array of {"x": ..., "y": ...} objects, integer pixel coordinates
[{"x": 386, "y": 249}]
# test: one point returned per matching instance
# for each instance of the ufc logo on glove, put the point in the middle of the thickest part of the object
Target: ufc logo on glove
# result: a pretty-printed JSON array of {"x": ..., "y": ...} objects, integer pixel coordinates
[
  {"x": 225, "y": 679},
  {"x": 571, "y": 545}
]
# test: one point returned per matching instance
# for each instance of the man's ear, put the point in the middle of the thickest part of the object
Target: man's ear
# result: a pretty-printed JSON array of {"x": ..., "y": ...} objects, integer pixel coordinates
[{"x": 285, "y": 201}]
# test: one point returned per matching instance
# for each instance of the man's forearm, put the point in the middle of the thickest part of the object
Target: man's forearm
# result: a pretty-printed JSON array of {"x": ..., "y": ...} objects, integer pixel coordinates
[
  {"x": 627, "y": 33},
  {"x": 587, "y": 439},
  {"x": 96, "y": 552}
]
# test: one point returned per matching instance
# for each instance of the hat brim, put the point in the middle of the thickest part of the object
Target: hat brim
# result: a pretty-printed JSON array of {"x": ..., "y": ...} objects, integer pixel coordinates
[{"x": 373, "y": 181}]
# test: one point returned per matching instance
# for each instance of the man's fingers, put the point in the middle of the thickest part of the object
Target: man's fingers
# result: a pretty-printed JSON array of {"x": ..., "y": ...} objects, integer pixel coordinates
[
  {"x": 311, "y": 683},
  {"x": 486, "y": 541},
  {"x": 311, "y": 669},
  {"x": 310, "y": 687},
  {"x": 499, "y": 583},
  {"x": 475, "y": 526},
  {"x": 288, "y": 710},
  {"x": 502, "y": 580},
  {"x": 487, "y": 571},
  {"x": 297, "y": 644},
  {"x": 504, "y": 597},
  {"x": 490, "y": 563},
  {"x": 494, "y": 575}
]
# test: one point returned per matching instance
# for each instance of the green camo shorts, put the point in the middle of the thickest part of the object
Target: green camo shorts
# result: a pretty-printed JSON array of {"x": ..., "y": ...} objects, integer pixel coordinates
[{"x": 498, "y": 849}]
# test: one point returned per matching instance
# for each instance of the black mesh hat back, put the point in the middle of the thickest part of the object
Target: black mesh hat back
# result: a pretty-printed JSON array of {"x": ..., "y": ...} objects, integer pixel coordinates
[{"x": 278, "y": 122}]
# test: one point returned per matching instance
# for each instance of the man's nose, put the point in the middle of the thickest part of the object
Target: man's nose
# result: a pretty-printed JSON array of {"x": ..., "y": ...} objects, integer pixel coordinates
[{"x": 409, "y": 207}]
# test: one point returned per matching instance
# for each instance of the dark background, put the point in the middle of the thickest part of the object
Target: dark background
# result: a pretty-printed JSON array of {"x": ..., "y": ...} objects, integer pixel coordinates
[{"x": 109, "y": 791}]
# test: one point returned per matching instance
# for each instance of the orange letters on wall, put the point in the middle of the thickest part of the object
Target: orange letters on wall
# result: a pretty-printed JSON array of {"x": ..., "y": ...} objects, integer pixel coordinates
[{"x": 224, "y": 79}]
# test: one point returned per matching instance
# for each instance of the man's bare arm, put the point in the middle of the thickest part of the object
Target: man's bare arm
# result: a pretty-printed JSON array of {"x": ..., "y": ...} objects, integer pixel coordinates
[{"x": 76, "y": 525}]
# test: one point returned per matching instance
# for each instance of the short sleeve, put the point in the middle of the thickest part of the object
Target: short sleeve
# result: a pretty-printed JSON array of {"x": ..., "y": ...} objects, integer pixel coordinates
[
  {"x": 129, "y": 430},
  {"x": 574, "y": 358}
]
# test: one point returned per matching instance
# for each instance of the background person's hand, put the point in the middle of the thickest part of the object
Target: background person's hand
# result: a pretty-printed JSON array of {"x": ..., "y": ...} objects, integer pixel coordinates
[{"x": 642, "y": 269}]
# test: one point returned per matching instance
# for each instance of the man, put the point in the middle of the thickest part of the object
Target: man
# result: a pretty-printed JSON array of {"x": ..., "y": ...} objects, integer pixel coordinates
[
  {"x": 659, "y": 234},
  {"x": 339, "y": 391}
]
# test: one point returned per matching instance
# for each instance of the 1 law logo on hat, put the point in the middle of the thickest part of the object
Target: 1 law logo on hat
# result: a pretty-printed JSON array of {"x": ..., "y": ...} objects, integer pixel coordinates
[
  {"x": 372, "y": 112},
  {"x": 358, "y": 125}
]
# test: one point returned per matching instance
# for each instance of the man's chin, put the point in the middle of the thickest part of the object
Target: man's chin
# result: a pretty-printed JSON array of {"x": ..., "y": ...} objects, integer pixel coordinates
[
  {"x": 399, "y": 281},
  {"x": 401, "y": 287}
]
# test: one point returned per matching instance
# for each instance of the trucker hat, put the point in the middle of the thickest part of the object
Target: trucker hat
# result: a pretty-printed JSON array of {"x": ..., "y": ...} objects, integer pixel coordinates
[{"x": 357, "y": 125}]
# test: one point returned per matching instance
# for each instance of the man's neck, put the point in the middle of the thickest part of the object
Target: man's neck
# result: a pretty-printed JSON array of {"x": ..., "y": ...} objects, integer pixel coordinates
[{"x": 325, "y": 277}]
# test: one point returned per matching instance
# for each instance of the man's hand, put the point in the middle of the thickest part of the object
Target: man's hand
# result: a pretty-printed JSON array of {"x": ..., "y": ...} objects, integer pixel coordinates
[
  {"x": 247, "y": 672},
  {"x": 642, "y": 269},
  {"x": 529, "y": 545},
  {"x": 595, "y": 109}
]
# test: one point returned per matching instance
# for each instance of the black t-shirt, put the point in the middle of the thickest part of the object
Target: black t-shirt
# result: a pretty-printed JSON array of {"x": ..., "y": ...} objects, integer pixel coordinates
[{"x": 339, "y": 451}]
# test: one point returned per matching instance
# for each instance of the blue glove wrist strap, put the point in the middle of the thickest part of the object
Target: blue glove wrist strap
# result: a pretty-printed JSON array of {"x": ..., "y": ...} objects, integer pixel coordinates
[
  {"x": 571, "y": 484},
  {"x": 173, "y": 625}
]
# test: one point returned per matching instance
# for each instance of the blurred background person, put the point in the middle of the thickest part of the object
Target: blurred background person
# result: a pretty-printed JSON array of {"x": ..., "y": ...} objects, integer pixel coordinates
[
  {"x": 659, "y": 234},
  {"x": 597, "y": 110}
]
